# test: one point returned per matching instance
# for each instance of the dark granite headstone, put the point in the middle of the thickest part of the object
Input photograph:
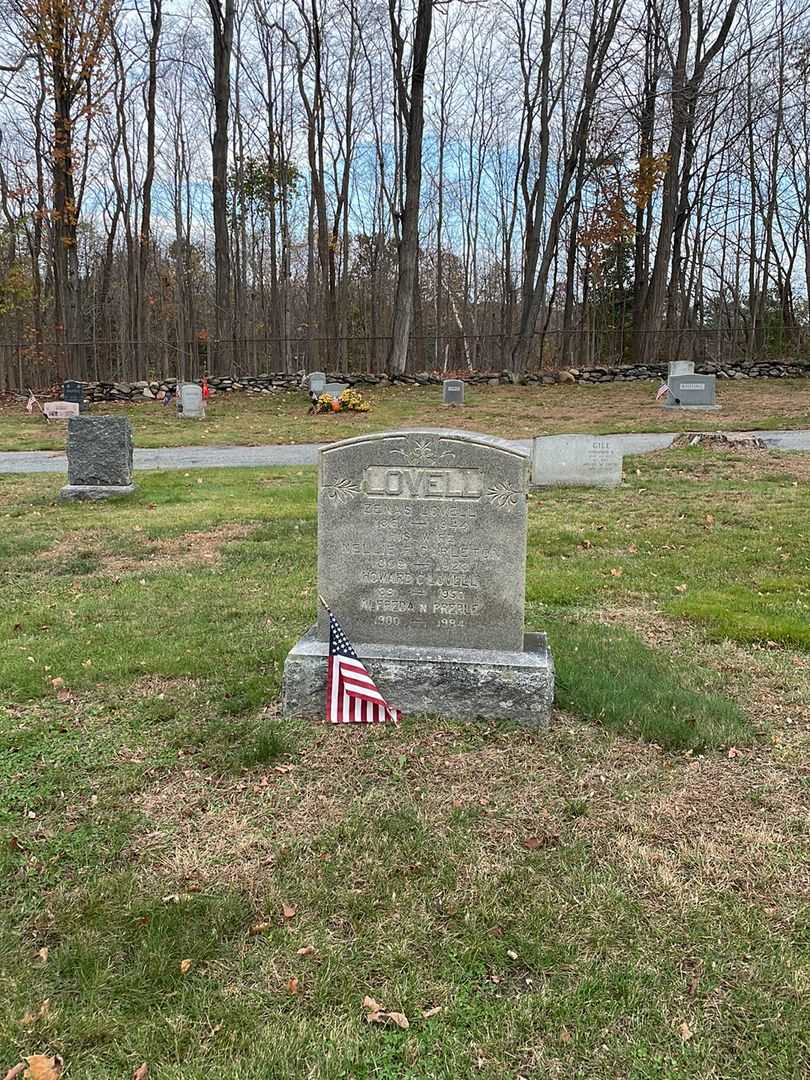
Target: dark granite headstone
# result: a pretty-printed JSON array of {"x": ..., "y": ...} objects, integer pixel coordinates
[
  {"x": 453, "y": 392},
  {"x": 73, "y": 390},
  {"x": 99, "y": 453}
]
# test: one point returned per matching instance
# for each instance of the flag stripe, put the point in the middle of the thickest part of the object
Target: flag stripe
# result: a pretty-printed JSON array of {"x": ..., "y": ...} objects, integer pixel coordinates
[{"x": 351, "y": 694}]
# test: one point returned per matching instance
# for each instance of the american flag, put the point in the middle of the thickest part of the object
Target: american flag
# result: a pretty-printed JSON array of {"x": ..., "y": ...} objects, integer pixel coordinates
[
  {"x": 32, "y": 401},
  {"x": 351, "y": 696},
  {"x": 663, "y": 390}
]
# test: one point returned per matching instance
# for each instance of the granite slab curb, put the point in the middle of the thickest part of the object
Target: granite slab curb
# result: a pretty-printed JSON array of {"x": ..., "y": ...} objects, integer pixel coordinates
[
  {"x": 471, "y": 684},
  {"x": 96, "y": 492}
]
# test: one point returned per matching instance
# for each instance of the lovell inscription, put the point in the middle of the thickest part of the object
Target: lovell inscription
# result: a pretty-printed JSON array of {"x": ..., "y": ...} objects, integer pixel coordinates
[{"x": 422, "y": 539}]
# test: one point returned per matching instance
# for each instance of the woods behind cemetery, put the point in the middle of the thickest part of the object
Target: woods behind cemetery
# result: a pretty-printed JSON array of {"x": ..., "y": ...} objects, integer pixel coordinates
[{"x": 244, "y": 186}]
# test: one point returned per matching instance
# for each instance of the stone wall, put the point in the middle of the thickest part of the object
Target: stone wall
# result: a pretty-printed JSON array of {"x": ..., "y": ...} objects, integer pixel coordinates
[{"x": 279, "y": 382}]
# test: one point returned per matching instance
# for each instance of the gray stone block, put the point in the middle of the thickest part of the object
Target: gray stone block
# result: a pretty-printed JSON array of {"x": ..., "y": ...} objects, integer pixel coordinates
[
  {"x": 453, "y": 392},
  {"x": 99, "y": 451},
  {"x": 691, "y": 391},
  {"x": 681, "y": 367},
  {"x": 462, "y": 684},
  {"x": 575, "y": 461},
  {"x": 422, "y": 538},
  {"x": 95, "y": 492},
  {"x": 190, "y": 402}
]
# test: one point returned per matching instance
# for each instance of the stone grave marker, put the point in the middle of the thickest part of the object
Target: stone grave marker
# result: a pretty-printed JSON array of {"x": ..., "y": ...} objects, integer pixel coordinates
[
  {"x": 421, "y": 557},
  {"x": 691, "y": 392},
  {"x": 99, "y": 453},
  {"x": 453, "y": 392},
  {"x": 190, "y": 402},
  {"x": 681, "y": 367},
  {"x": 61, "y": 410},
  {"x": 316, "y": 381},
  {"x": 334, "y": 389},
  {"x": 73, "y": 390},
  {"x": 575, "y": 461}
]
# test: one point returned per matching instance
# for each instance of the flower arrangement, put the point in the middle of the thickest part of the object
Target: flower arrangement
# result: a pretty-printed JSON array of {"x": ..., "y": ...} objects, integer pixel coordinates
[{"x": 349, "y": 401}]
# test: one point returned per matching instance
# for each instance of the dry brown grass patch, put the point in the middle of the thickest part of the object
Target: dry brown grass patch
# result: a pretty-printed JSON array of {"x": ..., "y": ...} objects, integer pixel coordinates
[{"x": 192, "y": 549}]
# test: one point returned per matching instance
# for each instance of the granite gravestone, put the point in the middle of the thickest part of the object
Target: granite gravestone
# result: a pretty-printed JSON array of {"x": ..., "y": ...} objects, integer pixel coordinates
[
  {"x": 421, "y": 557},
  {"x": 681, "y": 367},
  {"x": 315, "y": 381},
  {"x": 575, "y": 461},
  {"x": 99, "y": 453},
  {"x": 453, "y": 392},
  {"x": 73, "y": 390},
  {"x": 691, "y": 392},
  {"x": 190, "y": 402},
  {"x": 61, "y": 410},
  {"x": 334, "y": 389}
]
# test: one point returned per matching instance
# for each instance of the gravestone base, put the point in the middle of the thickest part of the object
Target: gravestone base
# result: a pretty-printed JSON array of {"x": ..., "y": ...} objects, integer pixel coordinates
[
  {"x": 692, "y": 408},
  {"x": 461, "y": 684},
  {"x": 96, "y": 492}
]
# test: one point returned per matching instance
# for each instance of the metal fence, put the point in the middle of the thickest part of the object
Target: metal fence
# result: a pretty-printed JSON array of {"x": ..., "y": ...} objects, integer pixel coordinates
[{"x": 24, "y": 365}]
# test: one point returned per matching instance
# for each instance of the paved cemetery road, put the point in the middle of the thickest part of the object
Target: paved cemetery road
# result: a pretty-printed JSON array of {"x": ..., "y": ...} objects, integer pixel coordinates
[{"x": 216, "y": 457}]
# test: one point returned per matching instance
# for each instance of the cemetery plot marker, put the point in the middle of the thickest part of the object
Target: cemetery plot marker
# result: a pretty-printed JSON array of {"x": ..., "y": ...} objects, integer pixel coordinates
[
  {"x": 190, "y": 402},
  {"x": 99, "y": 453},
  {"x": 421, "y": 556},
  {"x": 691, "y": 392},
  {"x": 453, "y": 392},
  {"x": 575, "y": 461}
]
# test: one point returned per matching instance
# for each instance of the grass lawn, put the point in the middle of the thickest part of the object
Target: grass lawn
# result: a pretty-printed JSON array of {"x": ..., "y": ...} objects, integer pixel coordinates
[
  {"x": 190, "y": 881},
  {"x": 508, "y": 411}
]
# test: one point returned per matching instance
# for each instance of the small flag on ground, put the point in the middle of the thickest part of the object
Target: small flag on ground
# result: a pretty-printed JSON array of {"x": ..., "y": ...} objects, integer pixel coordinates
[
  {"x": 351, "y": 696},
  {"x": 663, "y": 390},
  {"x": 205, "y": 391},
  {"x": 32, "y": 401}
]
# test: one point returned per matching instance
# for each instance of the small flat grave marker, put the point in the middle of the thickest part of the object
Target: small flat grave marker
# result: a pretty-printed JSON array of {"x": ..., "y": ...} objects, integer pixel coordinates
[
  {"x": 60, "y": 410},
  {"x": 691, "y": 392},
  {"x": 575, "y": 461}
]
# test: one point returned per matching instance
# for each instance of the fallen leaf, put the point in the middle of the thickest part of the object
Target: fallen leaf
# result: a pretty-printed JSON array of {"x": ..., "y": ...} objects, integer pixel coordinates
[
  {"x": 685, "y": 1032},
  {"x": 427, "y": 1013},
  {"x": 733, "y": 752},
  {"x": 532, "y": 843},
  {"x": 307, "y": 950},
  {"x": 141, "y": 1072},
  {"x": 64, "y": 696},
  {"x": 680, "y": 588},
  {"x": 371, "y": 1005},
  {"x": 632, "y": 550},
  {"x": 57, "y": 683},
  {"x": 288, "y": 910},
  {"x": 565, "y": 1035},
  {"x": 18, "y": 1070},
  {"x": 292, "y": 985},
  {"x": 376, "y": 1014},
  {"x": 31, "y": 1018},
  {"x": 616, "y": 571},
  {"x": 43, "y": 954},
  {"x": 42, "y": 1067},
  {"x": 400, "y": 1019},
  {"x": 260, "y": 928},
  {"x": 186, "y": 966},
  {"x": 511, "y": 954}
]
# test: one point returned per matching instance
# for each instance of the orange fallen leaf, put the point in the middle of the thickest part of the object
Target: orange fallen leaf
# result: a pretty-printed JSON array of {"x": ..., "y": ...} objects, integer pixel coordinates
[
  {"x": 685, "y": 1032},
  {"x": 43, "y": 954},
  {"x": 288, "y": 910},
  {"x": 427, "y": 1013},
  {"x": 398, "y": 1018},
  {"x": 307, "y": 950},
  {"x": 632, "y": 550},
  {"x": 292, "y": 985},
  {"x": 141, "y": 1072},
  {"x": 186, "y": 966},
  {"x": 42, "y": 1067},
  {"x": 616, "y": 571},
  {"x": 14, "y": 1072},
  {"x": 57, "y": 683},
  {"x": 532, "y": 843}
]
